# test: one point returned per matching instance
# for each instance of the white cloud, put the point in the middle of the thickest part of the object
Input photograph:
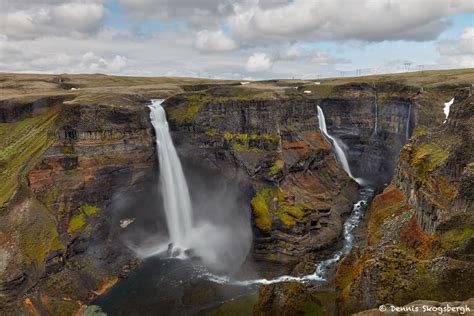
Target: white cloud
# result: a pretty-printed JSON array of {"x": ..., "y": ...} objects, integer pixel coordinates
[
  {"x": 214, "y": 41},
  {"x": 459, "y": 52},
  {"x": 258, "y": 62},
  {"x": 33, "y": 19},
  {"x": 293, "y": 53},
  {"x": 366, "y": 20},
  {"x": 202, "y": 12}
]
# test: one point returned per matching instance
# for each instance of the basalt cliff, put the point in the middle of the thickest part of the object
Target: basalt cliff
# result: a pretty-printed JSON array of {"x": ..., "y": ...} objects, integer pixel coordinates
[
  {"x": 79, "y": 169},
  {"x": 419, "y": 236}
]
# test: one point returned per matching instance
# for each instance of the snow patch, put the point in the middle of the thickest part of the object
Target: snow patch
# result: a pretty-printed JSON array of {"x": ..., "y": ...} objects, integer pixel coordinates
[{"x": 447, "y": 106}]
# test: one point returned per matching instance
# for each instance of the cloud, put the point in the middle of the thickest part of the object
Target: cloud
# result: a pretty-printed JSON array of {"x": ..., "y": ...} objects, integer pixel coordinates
[
  {"x": 293, "y": 53},
  {"x": 18, "y": 56},
  {"x": 202, "y": 12},
  {"x": 214, "y": 41},
  {"x": 33, "y": 19},
  {"x": 364, "y": 20},
  {"x": 258, "y": 62},
  {"x": 459, "y": 51}
]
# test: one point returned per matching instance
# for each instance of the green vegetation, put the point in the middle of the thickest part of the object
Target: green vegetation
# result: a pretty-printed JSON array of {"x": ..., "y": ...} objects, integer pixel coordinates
[
  {"x": 184, "y": 112},
  {"x": 251, "y": 142},
  {"x": 211, "y": 132},
  {"x": 276, "y": 167},
  {"x": 22, "y": 143},
  {"x": 288, "y": 214},
  {"x": 426, "y": 157},
  {"x": 455, "y": 238},
  {"x": 261, "y": 209},
  {"x": 48, "y": 197},
  {"x": 40, "y": 238},
  {"x": 269, "y": 203},
  {"x": 77, "y": 222},
  {"x": 312, "y": 309}
]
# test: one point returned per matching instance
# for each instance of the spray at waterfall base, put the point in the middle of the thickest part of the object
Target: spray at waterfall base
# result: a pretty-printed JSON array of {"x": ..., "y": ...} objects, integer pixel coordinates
[{"x": 210, "y": 242}]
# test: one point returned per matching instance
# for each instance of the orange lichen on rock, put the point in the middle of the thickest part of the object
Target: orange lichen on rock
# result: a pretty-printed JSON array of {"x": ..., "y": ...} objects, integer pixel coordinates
[
  {"x": 391, "y": 201},
  {"x": 412, "y": 234},
  {"x": 317, "y": 139},
  {"x": 390, "y": 196},
  {"x": 105, "y": 285},
  {"x": 31, "y": 308}
]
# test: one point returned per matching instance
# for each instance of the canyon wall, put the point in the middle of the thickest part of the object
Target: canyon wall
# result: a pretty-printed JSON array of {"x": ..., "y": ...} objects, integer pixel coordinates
[
  {"x": 420, "y": 234},
  {"x": 301, "y": 195},
  {"x": 79, "y": 168},
  {"x": 60, "y": 230}
]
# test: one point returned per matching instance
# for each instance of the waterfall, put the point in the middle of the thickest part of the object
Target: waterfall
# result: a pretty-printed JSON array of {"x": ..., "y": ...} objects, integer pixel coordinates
[
  {"x": 376, "y": 114},
  {"x": 340, "y": 154},
  {"x": 174, "y": 188},
  {"x": 407, "y": 135}
]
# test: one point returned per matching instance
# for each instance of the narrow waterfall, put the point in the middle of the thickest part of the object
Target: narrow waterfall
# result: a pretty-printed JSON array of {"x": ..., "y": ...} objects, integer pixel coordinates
[
  {"x": 376, "y": 114},
  {"x": 340, "y": 154},
  {"x": 174, "y": 188},
  {"x": 407, "y": 135}
]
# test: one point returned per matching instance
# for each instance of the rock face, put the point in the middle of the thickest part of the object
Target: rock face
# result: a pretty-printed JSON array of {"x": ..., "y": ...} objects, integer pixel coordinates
[
  {"x": 420, "y": 231},
  {"x": 79, "y": 166},
  {"x": 287, "y": 298},
  {"x": 67, "y": 213},
  {"x": 373, "y": 122},
  {"x": 300, "y": 193}
]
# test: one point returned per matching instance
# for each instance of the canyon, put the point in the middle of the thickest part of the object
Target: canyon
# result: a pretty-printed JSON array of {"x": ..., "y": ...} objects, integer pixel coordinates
[{"x": 80, "y": 171}]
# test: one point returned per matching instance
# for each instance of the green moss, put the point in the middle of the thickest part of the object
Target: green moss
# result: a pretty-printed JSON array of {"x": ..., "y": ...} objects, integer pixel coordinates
[
  {"x": 271, "y": 203},
  {"x": 426, "y": 157},
  {"x": 211, "y": 132},
  {"x": 271, "y": 257},
  {"x": 251, "y": 142},
  {"x": 312, "y": 309},
  {"x": 276, "y": 167},
  {"x": 68, "y": 149},
  {"x": 38, "y": 239},
  {"x": 260, "y": 209},
  {"x": 87, "y": 209},
  {"x": 48, "y": 197},
  {"x": 22, "y": 143},
  {"x": 287, "y": 213},
  {"x": 184, "y": 113},
  {"x": 455, "y": 238},
  {"x": 78, "y": 221}
]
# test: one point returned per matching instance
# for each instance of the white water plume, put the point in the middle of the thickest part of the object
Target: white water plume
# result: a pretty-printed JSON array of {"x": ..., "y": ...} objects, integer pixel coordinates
[
  {"x": 220, "y": 237},
  {"x": 337, "y": 145},
  {"x": 175, "y": 190},
  {"x": 376, "y": 123},
  {"x": 407, "y": 130}
]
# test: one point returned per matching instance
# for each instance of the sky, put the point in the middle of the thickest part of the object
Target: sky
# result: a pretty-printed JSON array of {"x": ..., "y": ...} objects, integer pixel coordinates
[{"x": 240, "y": 39}]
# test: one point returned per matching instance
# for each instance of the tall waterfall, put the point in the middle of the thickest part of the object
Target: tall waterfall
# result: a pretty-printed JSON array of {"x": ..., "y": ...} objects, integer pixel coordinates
[
  {"x": 174, "y": 188},
  {"x": 407, "y": 135},
  {"x": 340, "y": 154},
  {"x": 376, "y": 114}
]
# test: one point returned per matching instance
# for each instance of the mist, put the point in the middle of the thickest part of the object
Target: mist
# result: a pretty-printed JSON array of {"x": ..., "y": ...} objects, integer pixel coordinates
[{"x": 221, "y": 236}]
